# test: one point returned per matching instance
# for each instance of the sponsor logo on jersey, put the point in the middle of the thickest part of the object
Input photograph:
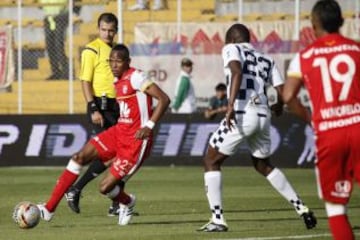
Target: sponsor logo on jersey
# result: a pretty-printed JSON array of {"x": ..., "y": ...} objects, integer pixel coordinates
[
  {"x": 330, "y": 50},
  {"x": 125, "y": 89},
  {"x": 124, "y": 113},
  {"x": 342, "y": 189}
]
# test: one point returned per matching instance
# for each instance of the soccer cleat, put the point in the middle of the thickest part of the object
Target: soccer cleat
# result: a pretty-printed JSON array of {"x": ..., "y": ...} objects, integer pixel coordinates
[
  {"x": 126, "y": 211},
  {"x": 44, "y": 213},
  {"x": 72, "y": 197},
  {"x": 213, "y": 227},
  {"x": 114, "y": 209},
  {"x": 309, "y": 220}
]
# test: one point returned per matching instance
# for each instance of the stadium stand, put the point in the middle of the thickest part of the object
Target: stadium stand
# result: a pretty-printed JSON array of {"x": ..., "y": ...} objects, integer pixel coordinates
[{"x": 37, "y": 67}]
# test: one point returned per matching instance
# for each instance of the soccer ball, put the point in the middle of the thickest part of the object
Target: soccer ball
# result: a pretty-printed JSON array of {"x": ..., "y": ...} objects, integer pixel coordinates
[{"x": 26, "y": 215}]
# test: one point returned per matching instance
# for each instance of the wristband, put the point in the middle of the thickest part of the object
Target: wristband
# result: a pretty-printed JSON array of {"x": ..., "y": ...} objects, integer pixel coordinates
[
  {"x": 150, "y": 124},
  {"x": 92, "y": 106}
]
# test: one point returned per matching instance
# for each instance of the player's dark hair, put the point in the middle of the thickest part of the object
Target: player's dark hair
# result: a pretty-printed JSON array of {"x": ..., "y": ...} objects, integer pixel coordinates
[
  {"x": 329, "y": 15},
  {"x": 108, "y": 18},
  {"x": 237, "y": 33},
  {"x": 123, "y": 50},
  {"x": 220, "y": 87}
]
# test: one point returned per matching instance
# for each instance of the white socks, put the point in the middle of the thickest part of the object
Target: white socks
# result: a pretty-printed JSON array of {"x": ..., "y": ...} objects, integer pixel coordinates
[
  {"x": 282, "y": 185},
  {"x": 213, "y": 187}
]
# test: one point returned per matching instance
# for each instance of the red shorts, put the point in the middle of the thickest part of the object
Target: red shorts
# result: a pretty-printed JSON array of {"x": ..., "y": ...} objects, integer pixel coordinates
[
  {"x": 129, "y": 153},
  {"x": 338, "y": 163}
]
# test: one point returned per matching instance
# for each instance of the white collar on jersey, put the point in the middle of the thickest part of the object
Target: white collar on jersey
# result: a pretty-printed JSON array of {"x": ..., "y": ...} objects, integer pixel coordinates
[{"x": 247, "y": 45}]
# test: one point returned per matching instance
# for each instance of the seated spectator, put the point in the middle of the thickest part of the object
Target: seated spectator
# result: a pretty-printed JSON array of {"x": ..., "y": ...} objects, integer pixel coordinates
[
  {"x": 218, "y": 103},
  {"x": 185, "y": 100},
  {"x": 144, "y": 5}
]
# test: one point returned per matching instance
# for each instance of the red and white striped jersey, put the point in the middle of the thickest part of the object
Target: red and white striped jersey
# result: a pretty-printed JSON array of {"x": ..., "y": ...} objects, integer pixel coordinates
[
  {"x": 330, "y": 68},
  {"x": 134, "y": 104}
]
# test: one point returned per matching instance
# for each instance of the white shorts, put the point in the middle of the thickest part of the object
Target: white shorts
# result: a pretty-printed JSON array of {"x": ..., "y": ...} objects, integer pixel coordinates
[{"x": 253, "y": 126}]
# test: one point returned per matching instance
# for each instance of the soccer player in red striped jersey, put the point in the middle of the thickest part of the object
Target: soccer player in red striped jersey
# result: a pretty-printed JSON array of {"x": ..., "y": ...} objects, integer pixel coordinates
[
  {"x": 330, "y": 70},
  {"x": 127, "y": 143}
]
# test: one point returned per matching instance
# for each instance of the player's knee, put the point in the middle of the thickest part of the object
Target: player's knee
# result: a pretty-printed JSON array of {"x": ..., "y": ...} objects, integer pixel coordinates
[
  {"x": 262, "y": 166},
  {"x": 104, "y": 188},
  {"x": 106, "y": 185},
  {"x": 80, "y": 158}
]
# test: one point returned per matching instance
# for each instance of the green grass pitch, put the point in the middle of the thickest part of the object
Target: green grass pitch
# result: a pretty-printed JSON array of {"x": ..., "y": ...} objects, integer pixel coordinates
[{"x": 172, "y": 205}]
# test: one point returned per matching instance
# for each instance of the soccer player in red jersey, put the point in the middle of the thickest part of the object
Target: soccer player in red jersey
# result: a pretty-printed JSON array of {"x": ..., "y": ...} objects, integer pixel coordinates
[
  {"x": 330, "y": 70},
  {"x": 127, "y": 143}
]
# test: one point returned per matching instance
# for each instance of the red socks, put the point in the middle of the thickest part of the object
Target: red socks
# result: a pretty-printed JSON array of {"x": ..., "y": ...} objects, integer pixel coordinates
[
  {"x": 123, "y": 198},
  {"x": 341, "y": 228},
  {"x": 65, "y": 180}
]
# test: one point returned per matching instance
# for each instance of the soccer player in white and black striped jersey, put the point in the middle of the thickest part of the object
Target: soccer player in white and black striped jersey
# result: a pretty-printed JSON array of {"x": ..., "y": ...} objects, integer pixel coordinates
[{"x": 247, "y": 71}]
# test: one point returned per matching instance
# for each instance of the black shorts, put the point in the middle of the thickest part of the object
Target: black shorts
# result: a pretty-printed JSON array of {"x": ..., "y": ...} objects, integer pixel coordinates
[{"x": 110, "y": 115}]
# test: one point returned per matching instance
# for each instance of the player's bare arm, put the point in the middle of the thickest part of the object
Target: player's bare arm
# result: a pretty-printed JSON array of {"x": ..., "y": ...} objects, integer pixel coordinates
[
  {"x": 163, "y": 103},
  {"x": 277, "y": 108},
  {"x": 236, "y": 77},
  {"x": 88, "y": 93},
  {"x": 289, "y": 95}
]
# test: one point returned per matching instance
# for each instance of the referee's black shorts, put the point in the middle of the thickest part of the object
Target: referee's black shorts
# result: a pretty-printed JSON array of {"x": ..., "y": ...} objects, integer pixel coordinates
[{"x": 110, "y": 115}]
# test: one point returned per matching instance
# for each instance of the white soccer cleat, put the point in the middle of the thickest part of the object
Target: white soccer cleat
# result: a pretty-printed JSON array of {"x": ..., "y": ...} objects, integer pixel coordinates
[
  {"x": 44, "y": 213},
  {"x": 126, "y": 211}
]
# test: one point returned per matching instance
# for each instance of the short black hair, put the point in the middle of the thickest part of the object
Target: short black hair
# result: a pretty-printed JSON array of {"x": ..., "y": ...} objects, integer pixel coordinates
[
  {"x": 237, "y": 32},
  {"x": 220, "y": 87},
  {"x": 108, "y": 18},
  {"x": 124, "y": 51},
  {"x": 329, "y": 15}
]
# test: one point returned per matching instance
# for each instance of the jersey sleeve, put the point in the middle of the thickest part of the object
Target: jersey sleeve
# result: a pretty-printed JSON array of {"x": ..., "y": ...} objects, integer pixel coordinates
[
  {"x": 183, "y": 90},
  {"x": 294, "y": 69},
  {"x": 230, "y": 53},
  {"x": 140, "y": 81},
  {"x": 88, "y": 59},
  {"x": 276, "y": 78}
]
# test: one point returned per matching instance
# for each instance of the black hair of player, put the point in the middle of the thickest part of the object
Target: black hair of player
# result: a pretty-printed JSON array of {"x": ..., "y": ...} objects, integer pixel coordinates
[
  {"x": 237, "y": 33},
  {"x": 220, "y": 87},
  {"x": 108, "y": 18},
  {"x": 123, "y": 51},
  {"x": 329, "y": 15}
]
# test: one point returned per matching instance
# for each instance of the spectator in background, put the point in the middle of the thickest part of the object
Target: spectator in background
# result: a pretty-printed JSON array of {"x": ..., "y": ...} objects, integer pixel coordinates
[
  {"x": 218, "y": 103},
  {"x": 185, "y": 100},
  {"x": 55, "y": 25},
  {"x": 144, "y": 5}
]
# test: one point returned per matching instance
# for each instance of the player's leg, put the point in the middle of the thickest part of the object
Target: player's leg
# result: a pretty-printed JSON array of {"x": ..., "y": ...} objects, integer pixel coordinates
[
  {"x": 74, "y": 192},
  {"x": 339, "y": 224},
  {"x": 280, "y": 183},
  {"x": 95, "y": 169},
  {"x": 338, "y": 163},
  {"x": 67, "y": 178},
  {"x": 113, "y": 188},
  {"x": 213, "y": 187},
  {"x": 222, "y": 144},
  {"x": 260, "y": 146},
  {"x": 130, "y": 155}
]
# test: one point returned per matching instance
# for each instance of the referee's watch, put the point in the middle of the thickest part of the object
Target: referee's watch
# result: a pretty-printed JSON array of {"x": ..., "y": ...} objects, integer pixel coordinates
[{"x": 92, "y": 106}]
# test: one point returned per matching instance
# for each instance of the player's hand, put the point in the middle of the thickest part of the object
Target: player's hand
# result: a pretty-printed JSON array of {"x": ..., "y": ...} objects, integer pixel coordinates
[
  {"x": 230, "y": 117},
  {"x": 97, "y": 118},
  {"x": 277, "y": 108},
  {"x": 143, "y": 133}
]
